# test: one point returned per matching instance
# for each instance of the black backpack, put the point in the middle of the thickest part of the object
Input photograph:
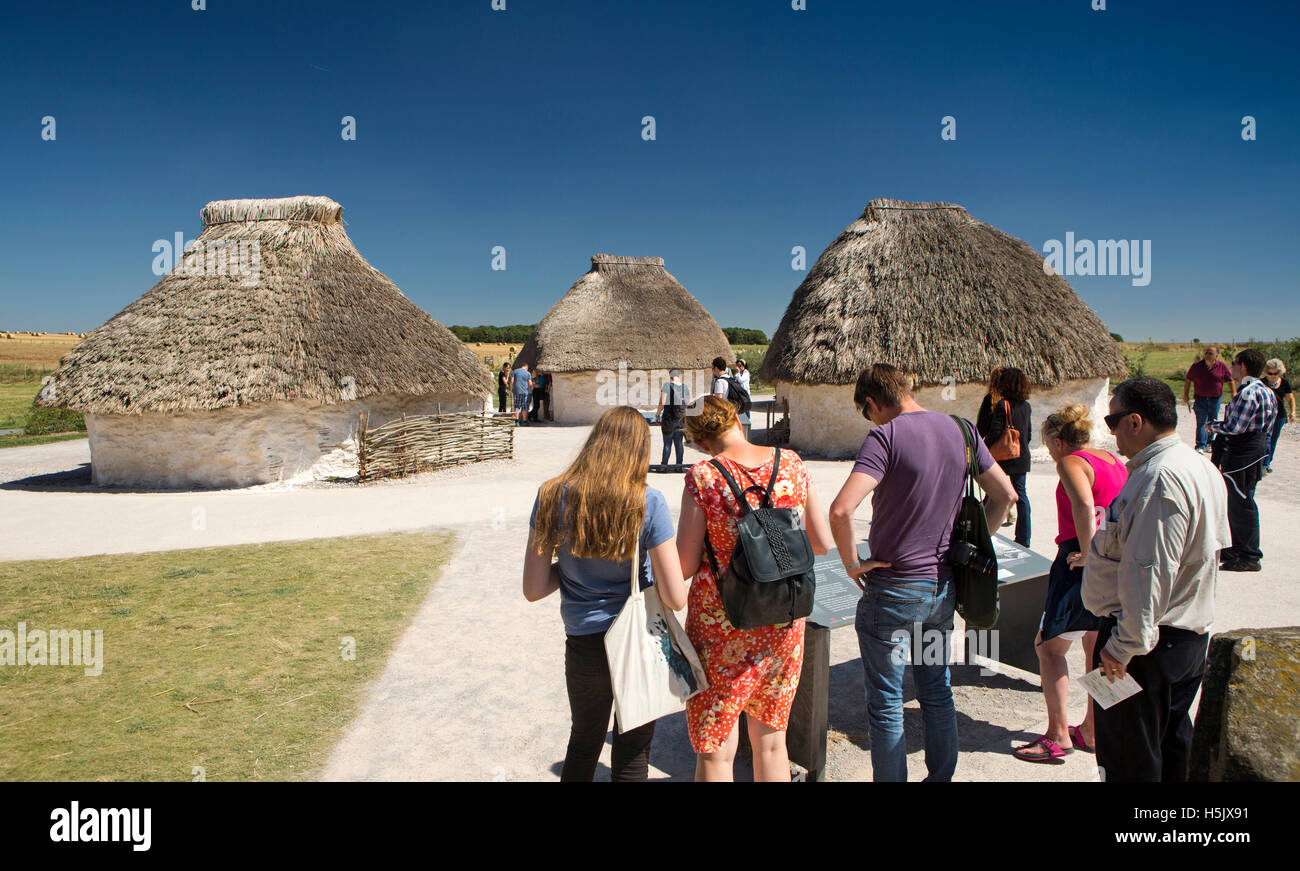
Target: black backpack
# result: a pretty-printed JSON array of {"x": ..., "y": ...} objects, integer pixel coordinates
[
  {"x": 770, "y": 579},
  {"x": 673, "y": 407},
  {"x": 737, "y": 395},
  {"x": 971, "y": 555}
]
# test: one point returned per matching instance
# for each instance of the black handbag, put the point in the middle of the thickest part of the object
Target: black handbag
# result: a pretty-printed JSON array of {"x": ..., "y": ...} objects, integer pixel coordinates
[
  {"x": 971, "y": 555},
  {"x": 770, "y": 579}
]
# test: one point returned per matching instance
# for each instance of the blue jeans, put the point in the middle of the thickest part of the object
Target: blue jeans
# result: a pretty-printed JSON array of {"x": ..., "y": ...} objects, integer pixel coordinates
[
  {"x": 1022, "y": 509},
  {"x": 1206, "y": 410},
  {"x": 887, "y": 620},
  {"x": 672, "y": 439},
  {"x": 1274, "y": 435}
]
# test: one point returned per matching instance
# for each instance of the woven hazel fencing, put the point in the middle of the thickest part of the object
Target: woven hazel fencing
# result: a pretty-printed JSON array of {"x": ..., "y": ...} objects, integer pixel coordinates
[{"x": 421, "y": 443}]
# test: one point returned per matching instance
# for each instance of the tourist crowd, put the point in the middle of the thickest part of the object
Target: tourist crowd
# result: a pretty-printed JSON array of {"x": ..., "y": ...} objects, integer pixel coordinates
[{"x": 1139, "y": 547}]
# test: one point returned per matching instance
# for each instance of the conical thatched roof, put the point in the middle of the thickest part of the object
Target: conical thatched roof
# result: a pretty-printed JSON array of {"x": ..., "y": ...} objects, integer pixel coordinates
[
  {"x": 926, "y": 287},
  {"x": 627, "y": 309},
  {"x": 313, "y": 320}
]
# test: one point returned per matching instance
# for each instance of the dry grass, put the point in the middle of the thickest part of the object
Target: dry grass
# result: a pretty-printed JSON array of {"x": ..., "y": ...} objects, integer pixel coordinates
[{"x": 40, "y": 351}]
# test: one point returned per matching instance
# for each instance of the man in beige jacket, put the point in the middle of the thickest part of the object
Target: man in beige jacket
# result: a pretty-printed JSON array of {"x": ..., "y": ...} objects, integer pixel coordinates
[{"x": 1150, "y": 576}]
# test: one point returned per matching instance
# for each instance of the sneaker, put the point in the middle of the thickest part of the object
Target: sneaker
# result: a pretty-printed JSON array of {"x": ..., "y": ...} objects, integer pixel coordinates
[{"x": 1240, "y": 565}]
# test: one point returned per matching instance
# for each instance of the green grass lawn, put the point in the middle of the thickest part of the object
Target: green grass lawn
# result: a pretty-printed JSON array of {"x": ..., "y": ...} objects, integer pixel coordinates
[
  {"x": 17, "y": 389},
  {"x": 251, "y": 637},
  {"x": 16, "y": 402},
  {"x": 1165, "y": 360}
]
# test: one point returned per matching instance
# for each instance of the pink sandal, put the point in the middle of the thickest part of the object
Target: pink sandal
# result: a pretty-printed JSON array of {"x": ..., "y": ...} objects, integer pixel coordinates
[
  {"x": 1079, "y": 742},
  {"x": 1054, "y": 753}
]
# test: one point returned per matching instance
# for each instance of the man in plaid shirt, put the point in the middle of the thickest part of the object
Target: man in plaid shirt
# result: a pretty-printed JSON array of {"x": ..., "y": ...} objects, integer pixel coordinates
[{"x": 1244, "y": 433}]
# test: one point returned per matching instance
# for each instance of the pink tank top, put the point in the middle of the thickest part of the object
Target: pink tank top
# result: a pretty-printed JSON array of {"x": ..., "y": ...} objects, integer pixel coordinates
[{"x": 1108, "y": 480}]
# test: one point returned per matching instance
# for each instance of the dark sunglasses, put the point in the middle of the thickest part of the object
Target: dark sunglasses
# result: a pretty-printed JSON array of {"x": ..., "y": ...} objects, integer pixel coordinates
[{"x": 1112, "y": 420}]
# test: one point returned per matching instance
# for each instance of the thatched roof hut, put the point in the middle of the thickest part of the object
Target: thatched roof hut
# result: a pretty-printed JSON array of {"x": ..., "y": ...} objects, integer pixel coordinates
[
  {"x": 272, "y": 314},
  {"x": 626, "y": 311},
  {"x": 926, "y": 287}
]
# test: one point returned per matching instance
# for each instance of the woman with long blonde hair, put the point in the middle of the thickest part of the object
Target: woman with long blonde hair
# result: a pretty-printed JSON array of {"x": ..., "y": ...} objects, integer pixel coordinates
[
  {"x": 589, "y": 519},
  {"x": 750, "y": 671}
]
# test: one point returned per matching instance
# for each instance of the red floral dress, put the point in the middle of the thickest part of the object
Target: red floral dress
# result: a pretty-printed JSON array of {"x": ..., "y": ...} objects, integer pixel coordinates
[{"x": 751, "y": 670}]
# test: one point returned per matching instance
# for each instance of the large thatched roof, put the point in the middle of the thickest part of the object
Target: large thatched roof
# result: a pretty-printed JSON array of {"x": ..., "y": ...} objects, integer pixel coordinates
[
  {"x": 926, "y": 287},
  {"x": 626, "y": 309},
  {"x": 308, "y": 318}
]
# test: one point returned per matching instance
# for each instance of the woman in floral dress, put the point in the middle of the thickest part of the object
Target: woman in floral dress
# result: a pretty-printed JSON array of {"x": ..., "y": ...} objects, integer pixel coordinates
[{"x": 754, "y": 671}]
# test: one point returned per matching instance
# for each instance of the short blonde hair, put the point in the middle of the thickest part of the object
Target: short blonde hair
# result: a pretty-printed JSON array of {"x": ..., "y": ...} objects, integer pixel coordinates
[
  {"x": 1071, "y": 424},
  {"x": 1275, "y": 363},
  {"x": 708, "y": 417}
]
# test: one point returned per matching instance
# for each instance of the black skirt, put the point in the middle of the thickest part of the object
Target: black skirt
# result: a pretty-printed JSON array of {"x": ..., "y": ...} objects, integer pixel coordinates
[{"x": 1064, "y": 611}]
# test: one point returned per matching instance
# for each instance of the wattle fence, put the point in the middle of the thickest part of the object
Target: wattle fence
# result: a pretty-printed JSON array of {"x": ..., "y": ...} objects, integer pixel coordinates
[{"x": 421, "y": 443}]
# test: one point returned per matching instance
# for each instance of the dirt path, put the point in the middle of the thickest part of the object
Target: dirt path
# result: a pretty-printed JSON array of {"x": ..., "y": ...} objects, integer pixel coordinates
[{"x": 475, "y": 689}]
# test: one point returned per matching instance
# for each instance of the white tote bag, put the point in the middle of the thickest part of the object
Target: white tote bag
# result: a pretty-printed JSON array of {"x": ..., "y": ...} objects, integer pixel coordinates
[{"x": 652, "y": 665}]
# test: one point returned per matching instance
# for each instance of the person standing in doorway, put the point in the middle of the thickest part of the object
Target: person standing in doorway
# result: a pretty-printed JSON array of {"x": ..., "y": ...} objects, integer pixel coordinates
[{"x": 503, "y": 386}]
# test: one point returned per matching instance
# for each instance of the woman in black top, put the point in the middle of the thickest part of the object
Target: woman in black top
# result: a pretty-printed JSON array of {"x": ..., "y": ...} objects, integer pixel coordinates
[
  {"x": 503, "y": 385},
  {"x": 1274, "y": 370},
  {"x": 1009, "y": 393}
]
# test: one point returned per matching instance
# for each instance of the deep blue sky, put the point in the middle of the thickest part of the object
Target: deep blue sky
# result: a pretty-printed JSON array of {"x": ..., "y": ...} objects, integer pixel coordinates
[{"x": 775, "y": 128}]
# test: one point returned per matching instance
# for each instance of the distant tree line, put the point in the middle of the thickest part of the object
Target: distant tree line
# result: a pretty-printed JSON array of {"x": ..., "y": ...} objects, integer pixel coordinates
[
  {"x": 516, "y": 333},
  {"x": 519, "y": 333},
  {"x": 743, "y": 336}
]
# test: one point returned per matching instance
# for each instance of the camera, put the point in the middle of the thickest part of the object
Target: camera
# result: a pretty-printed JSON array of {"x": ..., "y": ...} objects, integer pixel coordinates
[{"x": 963, "y": 553}]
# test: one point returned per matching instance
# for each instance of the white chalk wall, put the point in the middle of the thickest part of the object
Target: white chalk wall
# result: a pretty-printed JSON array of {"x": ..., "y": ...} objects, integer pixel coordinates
[
  {"x": 824, "y": 421},
  {"x": 237, "y": 447},
  {"x": 582, "y": 397}
]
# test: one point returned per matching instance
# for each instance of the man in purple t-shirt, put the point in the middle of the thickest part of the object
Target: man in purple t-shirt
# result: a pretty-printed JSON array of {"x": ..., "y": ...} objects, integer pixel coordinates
[
  {"x": 1208, "y": 374},
  {"x": 914, "y": 461}
]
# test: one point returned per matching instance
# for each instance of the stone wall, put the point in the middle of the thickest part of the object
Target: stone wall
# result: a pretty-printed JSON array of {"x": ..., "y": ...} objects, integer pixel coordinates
[
  {"x": 824, "y": 421},
  {"x": 237, "y": 447}
]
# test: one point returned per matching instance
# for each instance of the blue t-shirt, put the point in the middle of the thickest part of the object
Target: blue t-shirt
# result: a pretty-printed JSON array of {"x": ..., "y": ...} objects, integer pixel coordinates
[
  {"x": 522, "y": 378},
  {"x": 593, "y": 591}
]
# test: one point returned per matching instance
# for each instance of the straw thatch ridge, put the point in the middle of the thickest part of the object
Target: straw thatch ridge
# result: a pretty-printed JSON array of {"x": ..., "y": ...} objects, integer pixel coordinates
[
  {"x": 926, "y": 287},
  {"x": 630, "y": 310},
  {"x": 312, "y": 321}
]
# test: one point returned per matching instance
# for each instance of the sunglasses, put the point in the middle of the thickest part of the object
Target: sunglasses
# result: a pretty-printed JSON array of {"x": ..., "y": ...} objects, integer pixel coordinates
[{"x": 1112, "y": 420}]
